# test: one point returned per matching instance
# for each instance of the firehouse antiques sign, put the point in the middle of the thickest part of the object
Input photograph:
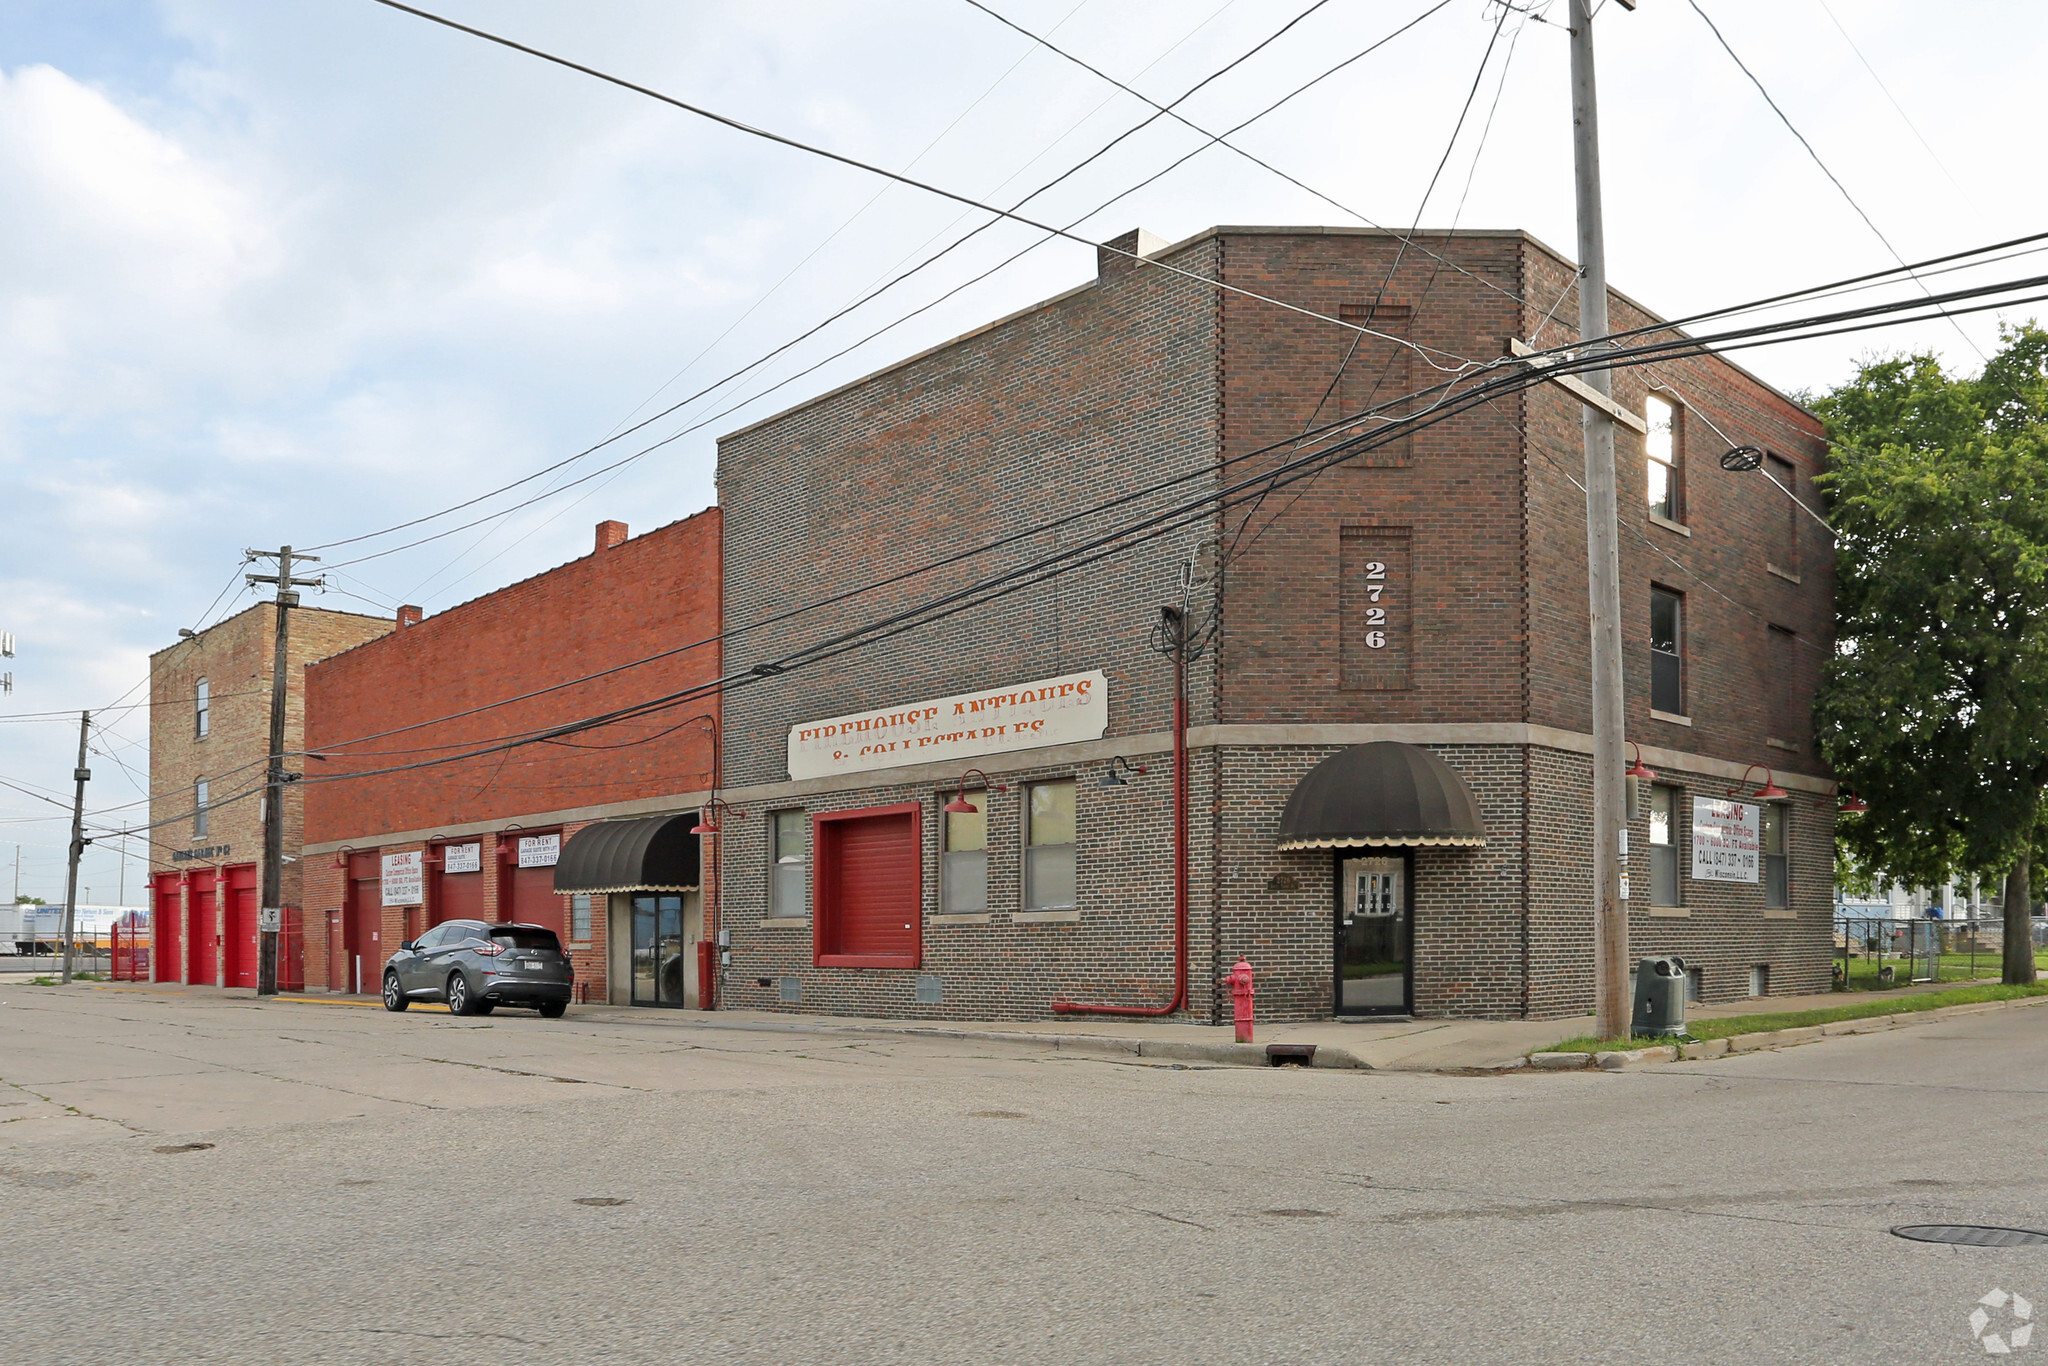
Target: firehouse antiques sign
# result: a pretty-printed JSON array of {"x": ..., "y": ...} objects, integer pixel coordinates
[
  {"x": 540, "y": 851},
  {"x": 405, "y": 880},
  {"x": 462, "y": 858},
  {"x": 1051, "y": 711},
  {"x": 1725, "y": 841}
]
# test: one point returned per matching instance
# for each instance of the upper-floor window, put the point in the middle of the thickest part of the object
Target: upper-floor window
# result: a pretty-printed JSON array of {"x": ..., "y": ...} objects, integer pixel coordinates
[
  {"x": 963, "y": 856},
  {"x": 1665, "y": 446},
  {"x": 1667, "y": 651},
  {"x": 788, "y": 857},
  {"x": 1783, "y": 546},
  {"x": 1664, "y": 812},
  {"x": 199, "y": 808},
  {"x": 1049, "y": 882},
  {"x": 201, "y": 705}
]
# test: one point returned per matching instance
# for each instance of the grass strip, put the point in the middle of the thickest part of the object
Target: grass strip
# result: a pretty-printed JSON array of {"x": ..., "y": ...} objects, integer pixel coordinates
[{"x": 1727, "y": 1026}]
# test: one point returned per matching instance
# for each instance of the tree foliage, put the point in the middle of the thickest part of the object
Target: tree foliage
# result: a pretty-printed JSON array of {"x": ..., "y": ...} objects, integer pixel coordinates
[{"x": 1935, "y": 708}]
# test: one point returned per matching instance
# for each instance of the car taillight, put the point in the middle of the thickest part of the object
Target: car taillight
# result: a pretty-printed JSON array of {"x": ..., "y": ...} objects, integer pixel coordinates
[{"x": 490, "y": 948}]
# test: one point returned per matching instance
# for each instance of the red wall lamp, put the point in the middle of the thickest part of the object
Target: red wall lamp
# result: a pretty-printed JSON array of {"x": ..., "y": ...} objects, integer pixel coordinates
[
  {"x": 1637, "y": 769},
  {"x": 960, "y": 806},
  {"x": 1769, "y": 792}
]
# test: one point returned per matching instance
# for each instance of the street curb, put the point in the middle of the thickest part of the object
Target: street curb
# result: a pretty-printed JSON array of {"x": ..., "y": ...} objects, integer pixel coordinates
[{"x": 1615, "y": 1060}]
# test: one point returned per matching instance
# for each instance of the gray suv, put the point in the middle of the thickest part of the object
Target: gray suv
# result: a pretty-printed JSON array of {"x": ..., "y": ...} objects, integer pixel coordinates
[{"x": 476, "y": 968}]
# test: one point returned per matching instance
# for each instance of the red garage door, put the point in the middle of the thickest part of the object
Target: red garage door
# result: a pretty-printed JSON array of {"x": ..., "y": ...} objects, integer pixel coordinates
[
  {"x": 528, "y": 894},
  {"x": 868, "y": 889},
  {"x": 356, "y": 956},
  {"x": 455, "y": 895},
  {"x": 238, "y": 933},
  {"x": 202, "y": 932},
  {"x": 168, "y": 920}
]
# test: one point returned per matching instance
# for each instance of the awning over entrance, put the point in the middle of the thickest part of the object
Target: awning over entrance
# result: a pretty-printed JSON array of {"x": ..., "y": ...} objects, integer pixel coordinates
[
  {"x": 1385, "y": 794},
  {"x": 655, "y": 854}
]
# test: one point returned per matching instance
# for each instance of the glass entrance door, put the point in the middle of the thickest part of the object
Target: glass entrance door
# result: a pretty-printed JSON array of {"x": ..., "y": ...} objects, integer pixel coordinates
[
  {"x": 1373, "y": 936},
  {"x": 661, "y": 966}
]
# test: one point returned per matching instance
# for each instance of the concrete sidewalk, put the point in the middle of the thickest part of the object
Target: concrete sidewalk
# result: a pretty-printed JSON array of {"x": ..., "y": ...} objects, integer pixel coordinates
[{"x": 1386, "y": 1045}]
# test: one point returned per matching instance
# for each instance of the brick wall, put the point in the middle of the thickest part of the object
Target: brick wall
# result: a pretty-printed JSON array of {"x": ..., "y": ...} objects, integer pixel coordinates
[{"x": 399, "y": 700}]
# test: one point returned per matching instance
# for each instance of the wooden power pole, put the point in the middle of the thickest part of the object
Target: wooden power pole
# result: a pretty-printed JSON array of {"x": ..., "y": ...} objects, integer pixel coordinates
[
  {"x": 80, "y": 776},
  {"x": 270, "y": 916},
  {"x": 1603, "y": 554}
]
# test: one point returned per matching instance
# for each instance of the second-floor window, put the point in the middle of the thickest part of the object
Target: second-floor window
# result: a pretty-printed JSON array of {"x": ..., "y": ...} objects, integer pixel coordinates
[
  {"x": 201, "y": 702},
  {"x": 1667, "y": 651},
  {"x": 1664, "y": 446},
  {"x": 199, "y": 808}
]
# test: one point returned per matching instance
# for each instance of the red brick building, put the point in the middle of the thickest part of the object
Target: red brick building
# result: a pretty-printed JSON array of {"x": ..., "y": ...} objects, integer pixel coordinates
[
  {"x": 418, "y": 810},
  {"x": 1389, "y": 716}
]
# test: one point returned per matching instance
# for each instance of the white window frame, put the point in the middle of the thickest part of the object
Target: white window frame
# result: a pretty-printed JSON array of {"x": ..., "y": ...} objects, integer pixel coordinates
[
  {"x": 202, "y": 710},
  {"x": 200, "y": 803},
  {"x": 1673, "y": 459},
  {"x": 951, "y": 858},
  {"x": 779, "y": 899}
]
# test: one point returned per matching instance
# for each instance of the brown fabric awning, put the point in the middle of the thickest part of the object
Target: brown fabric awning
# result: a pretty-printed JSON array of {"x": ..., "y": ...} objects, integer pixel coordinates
[
  {"x": 653, "y": 854},
  {"x": 1381, "y": 794}
]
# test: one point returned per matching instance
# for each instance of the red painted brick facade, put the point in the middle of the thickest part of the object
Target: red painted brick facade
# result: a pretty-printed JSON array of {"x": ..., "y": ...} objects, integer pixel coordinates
[{"x": 402, "y": 699}]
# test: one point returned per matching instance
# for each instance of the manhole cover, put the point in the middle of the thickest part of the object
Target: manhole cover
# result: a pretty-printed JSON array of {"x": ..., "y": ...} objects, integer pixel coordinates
[
  {"x": 184, "y": 1148},
  {"x": 602, "y": 1201},
  {"x": 1972, "y": 1235}
]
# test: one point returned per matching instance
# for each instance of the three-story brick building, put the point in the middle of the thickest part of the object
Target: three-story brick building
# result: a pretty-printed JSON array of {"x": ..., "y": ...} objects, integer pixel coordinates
[{"x": 1386, "y": 780}]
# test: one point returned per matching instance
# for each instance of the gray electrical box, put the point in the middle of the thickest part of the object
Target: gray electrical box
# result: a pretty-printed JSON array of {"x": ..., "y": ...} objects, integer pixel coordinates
[{"x": 1660, "y": 996}]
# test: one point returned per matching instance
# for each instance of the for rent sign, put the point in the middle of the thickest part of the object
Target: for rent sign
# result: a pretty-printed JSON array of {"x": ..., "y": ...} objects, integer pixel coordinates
[
  {"x": 1051, "y": 711},
  {"x": 1725, "y": 840}
]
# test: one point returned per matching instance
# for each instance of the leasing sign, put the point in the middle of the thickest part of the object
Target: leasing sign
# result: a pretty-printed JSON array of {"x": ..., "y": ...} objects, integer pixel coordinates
[
  {"x": 1726, "y": 840},
  {"x": 1050, "y": 711}
]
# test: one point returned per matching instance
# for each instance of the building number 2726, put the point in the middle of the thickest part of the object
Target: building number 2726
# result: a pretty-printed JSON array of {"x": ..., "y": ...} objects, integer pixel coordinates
[{"x": 1375, "y": 617}]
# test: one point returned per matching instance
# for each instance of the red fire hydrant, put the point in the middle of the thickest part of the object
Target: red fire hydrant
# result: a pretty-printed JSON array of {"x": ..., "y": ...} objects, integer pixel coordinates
[{"x": 1240, "y": 979}]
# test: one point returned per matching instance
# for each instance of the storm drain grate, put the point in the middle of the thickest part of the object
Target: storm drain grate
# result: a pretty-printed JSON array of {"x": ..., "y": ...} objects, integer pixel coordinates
[{"x": 1972, "y": 1235}]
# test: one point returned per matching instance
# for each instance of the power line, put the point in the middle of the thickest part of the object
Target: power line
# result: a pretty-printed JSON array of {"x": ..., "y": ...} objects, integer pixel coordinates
[
  {"x": 726, "y": 634},
  {"x": 1832, "y": 177},
  {"x": 1001, "y": 214}
]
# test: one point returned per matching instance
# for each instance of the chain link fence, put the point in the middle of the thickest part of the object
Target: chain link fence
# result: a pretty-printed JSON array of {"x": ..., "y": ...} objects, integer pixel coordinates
[{"x": 1872, "y": 954}]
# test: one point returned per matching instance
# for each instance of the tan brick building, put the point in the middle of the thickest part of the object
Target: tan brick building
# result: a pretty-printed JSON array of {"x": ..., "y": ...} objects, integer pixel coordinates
[{"x": 209, "y": 738}]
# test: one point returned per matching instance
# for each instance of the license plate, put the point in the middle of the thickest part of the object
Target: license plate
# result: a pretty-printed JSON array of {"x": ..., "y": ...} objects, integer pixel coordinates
[{"x": 533, "y": 967}]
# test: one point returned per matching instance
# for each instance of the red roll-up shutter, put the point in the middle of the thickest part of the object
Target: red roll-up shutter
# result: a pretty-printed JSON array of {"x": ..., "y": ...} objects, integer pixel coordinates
[
  {"x": 458, "y": 896},
  {"x": 167, "y": 919},
  {"x": 869, "y": 888},
  {"x": 238, "y": 930}
]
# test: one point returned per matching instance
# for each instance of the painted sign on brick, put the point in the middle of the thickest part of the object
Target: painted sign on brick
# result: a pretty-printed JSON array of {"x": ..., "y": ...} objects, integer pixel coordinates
[
  {"x": 1725, "y": 841},
  {"x": 1050, "y": 711},
  {"x": 405, "y": 881}
]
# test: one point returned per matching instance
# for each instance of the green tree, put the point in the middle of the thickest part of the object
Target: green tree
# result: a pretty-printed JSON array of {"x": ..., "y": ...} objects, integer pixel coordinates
[
  {"x": 1935, "y": 707},
  {"x": 28, "y": 901}
]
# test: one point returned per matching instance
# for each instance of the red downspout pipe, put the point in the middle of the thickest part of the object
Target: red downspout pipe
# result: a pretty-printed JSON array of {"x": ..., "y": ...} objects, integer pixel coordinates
[{"x": 1180, "y": 849}]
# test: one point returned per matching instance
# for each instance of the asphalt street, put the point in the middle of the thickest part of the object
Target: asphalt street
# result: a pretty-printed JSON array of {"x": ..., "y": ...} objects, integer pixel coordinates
[{"x": 418, "y": 1187}]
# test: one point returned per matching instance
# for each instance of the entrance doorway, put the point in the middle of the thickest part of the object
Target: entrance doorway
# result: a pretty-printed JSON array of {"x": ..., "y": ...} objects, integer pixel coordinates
[
  {"x": 1375, "y": 936},
  {"x": 666, "y": 929}
]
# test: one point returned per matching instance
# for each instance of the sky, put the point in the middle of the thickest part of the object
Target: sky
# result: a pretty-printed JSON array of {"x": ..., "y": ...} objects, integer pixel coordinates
[{"x": 297, "y": 273}]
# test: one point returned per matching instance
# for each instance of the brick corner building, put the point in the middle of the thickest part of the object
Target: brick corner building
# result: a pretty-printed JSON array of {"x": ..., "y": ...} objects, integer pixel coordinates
[
  {"x": 209, "y": 743},
  {"x": 433, "y": 801},
  {"x": 1388, "y": 714}
]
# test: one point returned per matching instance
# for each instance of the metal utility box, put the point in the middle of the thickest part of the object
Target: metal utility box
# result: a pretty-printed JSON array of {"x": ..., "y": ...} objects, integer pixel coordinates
[{"x": 1660, "y": 997}]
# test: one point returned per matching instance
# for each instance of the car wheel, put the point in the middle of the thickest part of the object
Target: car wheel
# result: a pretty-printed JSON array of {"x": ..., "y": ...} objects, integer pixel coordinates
[
  {"x": 460, "y": 1001},
  {"x": 394, "y": 999},
  {"x": 553, "y": 1010}
]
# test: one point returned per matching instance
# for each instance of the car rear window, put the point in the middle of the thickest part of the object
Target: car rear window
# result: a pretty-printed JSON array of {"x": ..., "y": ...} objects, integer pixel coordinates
[{"x": 527, "y": 939}]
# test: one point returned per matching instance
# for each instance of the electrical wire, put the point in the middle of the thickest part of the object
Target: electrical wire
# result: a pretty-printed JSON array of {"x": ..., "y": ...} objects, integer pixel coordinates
[
  {"x": 1123, "y": 539},
  {"x": 1832, "y": 177},
  {"x": 1051, "y": 233}
]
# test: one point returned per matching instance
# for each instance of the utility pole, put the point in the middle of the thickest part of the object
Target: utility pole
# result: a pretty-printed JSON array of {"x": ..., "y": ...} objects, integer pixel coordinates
[
  {"x": 79, "y": 777},
  {"x": 1603, "y": 554},
  {"x": 271, "y": 914}
]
